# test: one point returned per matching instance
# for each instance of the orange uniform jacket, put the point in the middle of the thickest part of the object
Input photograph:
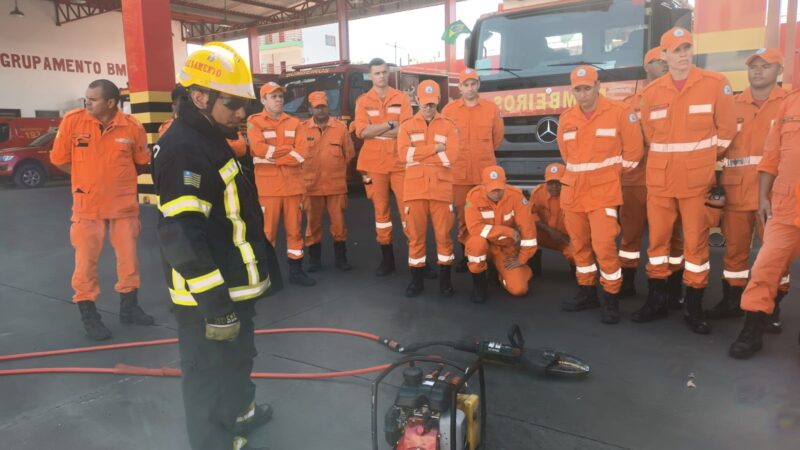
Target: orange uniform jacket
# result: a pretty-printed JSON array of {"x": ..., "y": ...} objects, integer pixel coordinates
[
  {"x": 239, "y": 146},
  {"x": 279, "y": 149},
  {"x": 782, "y": 159},
  {"x": 636, "y": 176},
  {"x": 686, "y": 131},
  {"x": 547, "y": 208},
  {"x": 103, "y": 163},
  {"x": 739, "y": 174},
  {"x": 380, "y": 154},
  {"x": 480, "y": 132},
  {"x": 596, "y": 151},
  {"x": 429, "y": 174},
  {"x": 496, "y": 222},
  {"x": 329, "y": 152}
]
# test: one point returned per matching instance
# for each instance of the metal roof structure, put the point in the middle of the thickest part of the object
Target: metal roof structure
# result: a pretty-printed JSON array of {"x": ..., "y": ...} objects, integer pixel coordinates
[{"x": 207, "y": 20}]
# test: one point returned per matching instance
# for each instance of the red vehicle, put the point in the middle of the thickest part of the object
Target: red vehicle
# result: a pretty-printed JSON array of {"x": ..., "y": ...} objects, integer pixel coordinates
[
  {"x": 19, "y": 132},
  {"x": 30, "y": 166}
]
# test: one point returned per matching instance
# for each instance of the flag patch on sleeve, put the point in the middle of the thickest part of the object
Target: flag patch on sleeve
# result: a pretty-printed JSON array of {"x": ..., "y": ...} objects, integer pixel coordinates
[{"x": 191, "y": 179}]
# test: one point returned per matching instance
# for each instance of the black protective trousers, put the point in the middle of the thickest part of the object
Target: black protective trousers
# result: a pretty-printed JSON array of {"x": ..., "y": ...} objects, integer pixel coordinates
[{"x": 216, "y": 379}]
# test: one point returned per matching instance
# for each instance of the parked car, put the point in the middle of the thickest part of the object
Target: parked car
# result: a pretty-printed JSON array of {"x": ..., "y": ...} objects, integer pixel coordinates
[
  {"x": 19, "y": 132},
  {"x": 30, "y": 166}
]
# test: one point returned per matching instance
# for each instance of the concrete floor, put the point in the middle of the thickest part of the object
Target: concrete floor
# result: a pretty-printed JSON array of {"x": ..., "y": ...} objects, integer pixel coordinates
[{"x": 636, "y": 397}]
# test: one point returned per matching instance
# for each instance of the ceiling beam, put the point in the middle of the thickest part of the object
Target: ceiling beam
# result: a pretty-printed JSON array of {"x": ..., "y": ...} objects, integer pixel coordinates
[
  {"x": 263, "y": 5},
  {"x": 229, "y": 12}
]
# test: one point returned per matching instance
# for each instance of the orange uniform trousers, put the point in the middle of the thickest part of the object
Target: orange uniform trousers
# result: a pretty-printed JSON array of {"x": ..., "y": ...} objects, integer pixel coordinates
[
  {"x": 87, "y": 237},
  {"x": 781, "y": 247},
  {"x": 441, "y": 214},
  {"x": 544, "y": 240},
  {"x": 460, "y": 200},
  {"x": 291, "y": 208},
  {"x": 315, "y": 206},
  {"x": 738, "y": 227},
  {"x": 663, "y": 213},
  {"x": 593, "y": 235},
  {"x": 379, "y": 192},
  {"x": 633, "y": 219},
  {"x": 480, "y": 252}
]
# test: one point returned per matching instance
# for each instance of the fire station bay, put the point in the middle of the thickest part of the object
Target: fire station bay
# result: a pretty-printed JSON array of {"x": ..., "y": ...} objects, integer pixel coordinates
[{"x": 399, "y": 224}]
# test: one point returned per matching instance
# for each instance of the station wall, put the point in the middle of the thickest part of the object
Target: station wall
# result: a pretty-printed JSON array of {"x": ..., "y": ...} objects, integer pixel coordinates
[{"x": 44, "y": 67}]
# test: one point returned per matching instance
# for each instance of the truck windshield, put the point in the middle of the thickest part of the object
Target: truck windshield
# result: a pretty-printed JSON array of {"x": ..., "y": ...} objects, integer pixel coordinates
[
  {"x": 298, "y": 88},
  {"x": 608, "y": 34}
]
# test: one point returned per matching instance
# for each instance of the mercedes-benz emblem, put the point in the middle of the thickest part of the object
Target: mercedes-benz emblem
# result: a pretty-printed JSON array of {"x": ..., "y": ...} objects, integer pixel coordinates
[{"x": 547, "y": 129}]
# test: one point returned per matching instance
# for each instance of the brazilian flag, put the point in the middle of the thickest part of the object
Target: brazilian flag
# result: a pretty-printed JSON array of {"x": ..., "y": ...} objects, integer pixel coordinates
[{"x": 453, "y": 30}]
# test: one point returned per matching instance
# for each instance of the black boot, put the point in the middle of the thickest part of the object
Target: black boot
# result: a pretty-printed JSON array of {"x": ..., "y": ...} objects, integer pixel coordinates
[
  {"x": 656, "y": 305},
  {"x": 92, "y": 323},
  {"x": 729, "y": 305},
  {"x": 480, "y": 287},
  {"x": 774, "y": 323},
  {"x": 628, "y": 288},
  {"x": 492, "y": 275},
  {"x": 535, "y": 263},
  {"x": 296, "y": 274},
  {"x": 429, "y": 273},
  {"x": 609, "y": 308},
  {"x": 314, "y": 257},
  {"x": 445, "y": 282},
  {"x": 260, "y": 416},
  {"x": 130, "y": 312},
  {"x": 387, "y": 261},
  {"x": 749, "y": 340},
  {"x": 586, "y": 298},
  {"x": 675, "y": 290},
  {"x": 340, "y": 253},
  {"x": 573, "y": 270},
  {"x": 461, "y": 267},
  {"x": 693, "y": 311},
  {"x": 416, "y": 285}
]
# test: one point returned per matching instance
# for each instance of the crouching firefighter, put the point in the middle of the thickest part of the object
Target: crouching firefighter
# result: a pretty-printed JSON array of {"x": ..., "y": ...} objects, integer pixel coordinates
[
  {"x": 501, "y": 231},
  {"x": 214, "y": 249}
]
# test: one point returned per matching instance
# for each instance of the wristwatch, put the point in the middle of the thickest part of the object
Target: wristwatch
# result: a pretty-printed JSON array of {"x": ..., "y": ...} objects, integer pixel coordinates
[{"x": 392, "y": 124}]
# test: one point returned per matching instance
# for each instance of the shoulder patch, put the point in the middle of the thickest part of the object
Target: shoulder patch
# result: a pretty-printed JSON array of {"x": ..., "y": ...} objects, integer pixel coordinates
[
  {"x": 632, "y": 118},
  {"x": 524, "y": 200},
  {"x": 191, "y": 179},
  {"x": 727, "y": 90}
]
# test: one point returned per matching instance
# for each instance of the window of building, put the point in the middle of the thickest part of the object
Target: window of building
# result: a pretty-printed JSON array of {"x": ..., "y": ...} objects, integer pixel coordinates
[
  {"x": 10, "y": 112},
  {"x": 48, "y": 114}
]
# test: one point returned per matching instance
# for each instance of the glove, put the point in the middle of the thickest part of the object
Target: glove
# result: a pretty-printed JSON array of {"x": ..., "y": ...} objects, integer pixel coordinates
[{"x": 223, "y": 328}]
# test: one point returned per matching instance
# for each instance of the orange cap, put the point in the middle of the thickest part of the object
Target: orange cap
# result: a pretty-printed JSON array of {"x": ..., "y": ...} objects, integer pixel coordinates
[
  {"x": 583, "y": 76},
  {"x": 770, "y": 55},
  {"x": 653, "y": 54},
  {"x": 317, "y": 98},
  {"x": 270, "y": 88},
  {"x": 493, "y": 177},
  {"x": 468, "y": 74},
  {"x": 674, "y": 38},
  {"x": 428, "y": 92},
  {"x": 554, "y": 172}
]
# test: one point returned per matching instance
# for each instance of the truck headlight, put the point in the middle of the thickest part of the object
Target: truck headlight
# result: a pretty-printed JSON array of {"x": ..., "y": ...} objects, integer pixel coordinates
[{"x": 5, "y": 158}]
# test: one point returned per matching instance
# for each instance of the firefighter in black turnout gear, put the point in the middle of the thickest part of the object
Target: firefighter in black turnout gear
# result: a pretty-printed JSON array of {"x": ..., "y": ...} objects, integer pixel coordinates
[{"x": 214, "y": 250}]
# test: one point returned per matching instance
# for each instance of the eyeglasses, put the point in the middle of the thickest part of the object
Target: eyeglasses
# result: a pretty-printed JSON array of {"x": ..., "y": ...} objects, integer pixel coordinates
[{"x": 233, "y": 103}]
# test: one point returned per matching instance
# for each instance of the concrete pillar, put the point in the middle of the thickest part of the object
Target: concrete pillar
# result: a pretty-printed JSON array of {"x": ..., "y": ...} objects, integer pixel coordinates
[
  {"x": 773, "y": 35},
  {"x": 147, "y": 28},
  {"x": 789, "y": 48},
  {"x": 344, "y": 30},
  {"x": 255, "y": 50}
]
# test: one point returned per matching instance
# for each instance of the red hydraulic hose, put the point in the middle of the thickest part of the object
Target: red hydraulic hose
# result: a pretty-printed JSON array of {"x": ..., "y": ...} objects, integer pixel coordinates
[{"x": 123, "y": 369}]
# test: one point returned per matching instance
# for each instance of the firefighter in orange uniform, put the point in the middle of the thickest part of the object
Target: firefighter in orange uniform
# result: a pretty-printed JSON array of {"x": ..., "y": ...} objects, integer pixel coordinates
[
  {"x": 501, "y": 232},
  {"x": 279, "y": 149},
  {"x": 426, "y": 144},
  {"x": 633, "y": 212},
  {"x": 325, "y": 175},
  {"x": 546, "y": 208},
  {"x": 101, "y": 147},
  {"x": 689, "y": 120},
  {"x": 598, "y": 139},
  {"x": 480, "y": 132},
  {"x": 379, "y": 113},
  {"x": 756, "y": 110},
  {"x": 778, "y": 209}
]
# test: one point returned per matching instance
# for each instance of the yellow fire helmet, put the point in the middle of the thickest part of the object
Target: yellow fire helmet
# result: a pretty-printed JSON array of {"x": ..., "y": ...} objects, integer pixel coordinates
[{"x": 217, "y": 66}]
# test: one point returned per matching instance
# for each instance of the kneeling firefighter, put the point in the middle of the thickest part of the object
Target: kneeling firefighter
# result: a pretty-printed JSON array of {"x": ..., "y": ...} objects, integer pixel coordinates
[{"x": 214, "y": 249}]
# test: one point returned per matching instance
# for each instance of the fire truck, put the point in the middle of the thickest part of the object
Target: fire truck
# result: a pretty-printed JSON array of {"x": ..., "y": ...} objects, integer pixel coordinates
[{"x": 525, "y": 52}]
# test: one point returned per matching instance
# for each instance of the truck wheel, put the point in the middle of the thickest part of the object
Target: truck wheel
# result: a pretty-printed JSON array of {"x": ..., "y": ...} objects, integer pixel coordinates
[{"x": 30, "y": 175}]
